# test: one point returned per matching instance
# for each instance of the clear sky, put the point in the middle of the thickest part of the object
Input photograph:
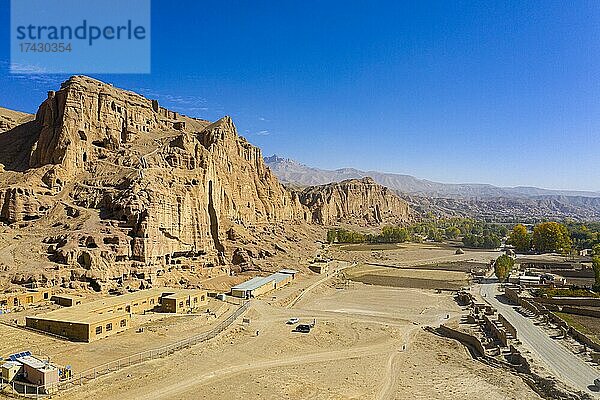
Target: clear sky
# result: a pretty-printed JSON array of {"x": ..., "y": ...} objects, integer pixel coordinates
[{"x": 504, "y": 92}]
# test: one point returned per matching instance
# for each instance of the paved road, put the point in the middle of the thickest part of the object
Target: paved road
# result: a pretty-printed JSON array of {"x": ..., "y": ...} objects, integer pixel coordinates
[{"x": 560, "y": 361}]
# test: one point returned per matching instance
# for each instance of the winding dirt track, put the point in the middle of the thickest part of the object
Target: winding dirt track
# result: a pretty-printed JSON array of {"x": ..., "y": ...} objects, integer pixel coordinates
[{"x": 174, "y": 390}]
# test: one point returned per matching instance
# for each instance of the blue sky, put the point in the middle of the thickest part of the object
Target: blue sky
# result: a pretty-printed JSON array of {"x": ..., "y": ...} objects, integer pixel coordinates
[{"x": 505, "y": 92}]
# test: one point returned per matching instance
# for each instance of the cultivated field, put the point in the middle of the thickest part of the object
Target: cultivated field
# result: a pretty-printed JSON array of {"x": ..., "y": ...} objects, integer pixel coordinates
[{"x": 408, "y": 278}]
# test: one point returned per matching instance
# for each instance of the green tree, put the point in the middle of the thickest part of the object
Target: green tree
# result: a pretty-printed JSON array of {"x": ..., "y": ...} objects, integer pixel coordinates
[
  {"x": 596, "y": 250},
  {"x": 520, "y": 238},
  {"x": 484, "y": 241},
  {"x": 331, "y": 236},
  {"x": 393, "y": 234},
  {"x": 502, "y": 267},
  {"x": 551, "y": 237},
  {"x": 452, "y": 232},
  {"x": 596, "y": 266}
]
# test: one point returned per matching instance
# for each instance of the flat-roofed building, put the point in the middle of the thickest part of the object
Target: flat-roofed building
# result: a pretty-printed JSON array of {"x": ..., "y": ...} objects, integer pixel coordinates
[
  {"x": 11, "y": 300},
  {"x": 281, "y": 279},
  {"x": 10, "y": 369},
  {"x": 102, "y": 318},
  {"x": 291, "y": 272},
  {"x": 253, "y": 287},
  {"x": 261, "y": 285},
  {"x": 66, "y": 300},
  {"x": 80, "y": 325},
  {"x": 183, "y": 301},
  {"x": 320, "y": 267},
  {"x": 39, "y": 372}
]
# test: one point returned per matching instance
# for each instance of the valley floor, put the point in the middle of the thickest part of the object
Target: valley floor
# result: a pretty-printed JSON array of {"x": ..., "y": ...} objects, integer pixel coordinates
[{"x": 368, "y": 343}]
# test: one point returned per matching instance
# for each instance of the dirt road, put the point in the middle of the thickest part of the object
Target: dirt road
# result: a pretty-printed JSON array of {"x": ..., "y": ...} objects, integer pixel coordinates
[{"x": 560, "y": 361}]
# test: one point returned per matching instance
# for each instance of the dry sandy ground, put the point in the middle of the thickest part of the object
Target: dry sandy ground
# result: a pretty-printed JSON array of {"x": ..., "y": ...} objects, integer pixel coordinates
[
  {"x": 159, "y": 330},
  {"x": 367, "y": 344}
]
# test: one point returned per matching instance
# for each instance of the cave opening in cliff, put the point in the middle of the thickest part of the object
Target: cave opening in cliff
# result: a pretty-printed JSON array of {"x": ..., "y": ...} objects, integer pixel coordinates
[{"x": 214, "y": 223}]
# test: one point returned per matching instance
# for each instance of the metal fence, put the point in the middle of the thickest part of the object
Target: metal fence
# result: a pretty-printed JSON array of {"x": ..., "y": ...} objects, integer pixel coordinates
[
  {"x": 22, "y": 389},
  {"x": 29, "y": 390}
]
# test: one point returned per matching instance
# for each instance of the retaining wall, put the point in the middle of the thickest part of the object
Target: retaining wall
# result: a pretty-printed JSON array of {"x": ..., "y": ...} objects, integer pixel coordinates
[
  {"x": 512, "y": 293},
  {"x": 583, "y": 339},
  {"x": 508, "y": 326},
  {"x": 498, "y": 333},
  {"x": 581, "y": 311},
  {"x": 464, "y": 338},
  {"x": 570, "y": 301}
]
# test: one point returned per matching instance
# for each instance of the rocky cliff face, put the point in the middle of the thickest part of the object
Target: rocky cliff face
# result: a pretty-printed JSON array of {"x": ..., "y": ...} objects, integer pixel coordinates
[
  {"x": 354, "y": 200},
  {"x": 10, "y": 119},
  {"x": 116, "y": 185}
]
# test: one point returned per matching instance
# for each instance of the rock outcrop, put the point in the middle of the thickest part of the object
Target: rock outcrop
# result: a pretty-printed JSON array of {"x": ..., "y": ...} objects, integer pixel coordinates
[
  {"x": 354, "y": 200},
  {"x": 10, "y": 119},
  {"x": 121, "y": 186}
]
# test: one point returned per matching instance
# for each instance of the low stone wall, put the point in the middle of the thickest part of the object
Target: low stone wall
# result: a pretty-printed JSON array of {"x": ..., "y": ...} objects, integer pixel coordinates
[
  {"x": 570, "y": 301},
  {"x": 530, "y": 306},
  {"x": 583, "y": 339},
  {"x": 464, "y": 298},
  {"x": 558, "y": 321},
  {"x": 512, "y": 294},
  {"x": 508, "y": 326},
  {"x": 581, "y": 311},
  {"x": 550, "y": 307},
  {"x": 577, "y": 335},
  {"x": 497, "y": 333},
  {"x": 466, "y": 339},
  {"x": 515, "y": 358}
]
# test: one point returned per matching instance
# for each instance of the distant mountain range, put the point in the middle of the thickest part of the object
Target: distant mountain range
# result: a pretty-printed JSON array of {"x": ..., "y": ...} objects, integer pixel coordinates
[
  {"x": 290, "y": 171},
  {"x": 482, "y": 200}
]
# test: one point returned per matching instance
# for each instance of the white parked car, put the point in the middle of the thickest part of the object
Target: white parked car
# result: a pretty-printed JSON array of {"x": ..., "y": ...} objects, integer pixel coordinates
[{"x": 293, "y": 321}]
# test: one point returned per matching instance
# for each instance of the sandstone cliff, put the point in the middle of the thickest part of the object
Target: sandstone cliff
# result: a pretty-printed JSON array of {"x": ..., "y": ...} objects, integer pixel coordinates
[
  {"x": 109, "y": 184},
  {"x": 354, "y": 200},
  {"x": 10, "y": 119}
]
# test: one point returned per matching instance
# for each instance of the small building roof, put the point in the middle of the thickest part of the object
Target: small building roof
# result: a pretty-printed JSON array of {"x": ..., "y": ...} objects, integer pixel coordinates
[
  {"x": 101, "y": 310},
  {"x": 183, "y": 293},
  {"x": 67, "y": 296},
  {"x": 253, "y": 283},
  {"x": 35, "y": 363},
  {"x": 529, "y": 278},
  {"x": 288, "y": 271},
  {"x": 279, "y": 277},
  {"x": 11, "y": 364}
]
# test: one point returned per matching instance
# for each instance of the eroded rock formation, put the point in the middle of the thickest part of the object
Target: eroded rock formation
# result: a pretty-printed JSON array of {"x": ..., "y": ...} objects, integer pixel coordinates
[
  {"x": 354, "y": 200},
  {"x": 122, "y": 186}
]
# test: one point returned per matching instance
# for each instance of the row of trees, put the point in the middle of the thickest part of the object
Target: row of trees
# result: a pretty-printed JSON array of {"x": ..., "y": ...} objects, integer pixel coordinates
[
  {"x": 486, "y": 241},
  {"x": 547, "y": 237},
  {"x": 345, "y": 236},
  {"x": 389, "y": 234},
  {"x": 584, "y": 235},
  {"x": 474, "y": 233}
]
